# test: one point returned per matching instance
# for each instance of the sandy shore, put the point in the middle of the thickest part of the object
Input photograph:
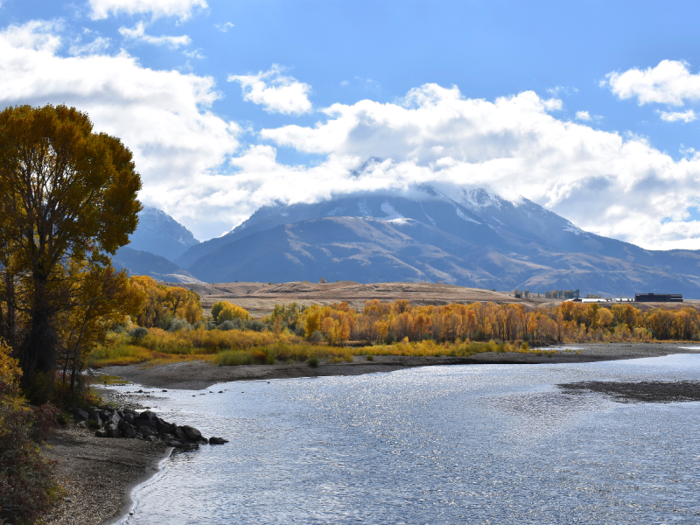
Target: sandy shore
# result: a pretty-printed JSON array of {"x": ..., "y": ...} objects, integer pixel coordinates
[
  {"x": 198, "y": 375},
  {"x": 98, "y": 474}
]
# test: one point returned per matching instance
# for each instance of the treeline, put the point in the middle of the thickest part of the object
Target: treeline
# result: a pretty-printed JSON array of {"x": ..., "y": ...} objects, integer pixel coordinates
[{"x": 569, "y": 322}]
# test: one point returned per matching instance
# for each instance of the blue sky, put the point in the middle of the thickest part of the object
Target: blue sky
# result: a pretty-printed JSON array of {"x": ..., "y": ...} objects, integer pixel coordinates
[{"x": 597, "y": 118}]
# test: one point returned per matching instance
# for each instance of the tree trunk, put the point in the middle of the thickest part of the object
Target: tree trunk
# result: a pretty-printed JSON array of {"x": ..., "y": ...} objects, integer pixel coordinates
[{"x": 38, "y": 350}]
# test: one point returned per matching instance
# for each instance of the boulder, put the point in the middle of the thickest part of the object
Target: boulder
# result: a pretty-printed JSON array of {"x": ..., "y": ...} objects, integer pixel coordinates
[
  {"x": 174, "y": 443},
  {"x": 192, "y": 433},
  {"x": 96, "y": 416},
  {"x": 113, "y": 430},
  {"x": 101, "y": 434},
  {"x": 127, "y": 429},
  {"x": 147, "y": 414},
  {"x": 79, "y": 415},
  {"x": 152, "y": 439},
  {"x": 113, "y": 419},
  {"x": 146, "y": 423},
  {"x": 128, "y": 417},
  {"x": 180, "y": 434},
  {"x": 217, "y": 441},
  {"x": 148, "y": 432}
]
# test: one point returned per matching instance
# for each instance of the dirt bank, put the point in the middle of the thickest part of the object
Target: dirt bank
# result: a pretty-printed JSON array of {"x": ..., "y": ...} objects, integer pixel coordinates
[
  {"x": 198, "y": 375},
  {"x": 98, "y": 474}
]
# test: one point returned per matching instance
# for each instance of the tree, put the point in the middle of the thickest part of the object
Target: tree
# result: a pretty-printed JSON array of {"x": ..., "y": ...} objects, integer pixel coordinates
[{"x": 67, "y": 195}]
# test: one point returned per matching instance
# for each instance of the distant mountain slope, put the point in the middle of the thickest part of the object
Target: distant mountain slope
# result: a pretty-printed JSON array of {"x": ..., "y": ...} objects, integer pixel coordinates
[
  {"x": 145, "y": 263},
  {"x": 469, "y": 237},
  {"x": 160, "y": 234}
]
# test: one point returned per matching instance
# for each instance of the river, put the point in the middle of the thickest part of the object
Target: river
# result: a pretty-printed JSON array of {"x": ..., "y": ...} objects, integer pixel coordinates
[{"x": 435, "y": 445}]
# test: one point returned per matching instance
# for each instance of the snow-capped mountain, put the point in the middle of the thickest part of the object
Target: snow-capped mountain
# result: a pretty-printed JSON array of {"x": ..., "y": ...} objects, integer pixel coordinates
[
  {"x": 160, "y": 234},
  {"x": 457, "y": 235}
]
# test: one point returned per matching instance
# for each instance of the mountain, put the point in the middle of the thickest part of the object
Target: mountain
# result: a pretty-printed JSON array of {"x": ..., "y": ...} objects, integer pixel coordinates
[
  {"x": 145, "y": 263},
  {"x": 469, "y": 237},
  {"x": 160, "y": 234}
]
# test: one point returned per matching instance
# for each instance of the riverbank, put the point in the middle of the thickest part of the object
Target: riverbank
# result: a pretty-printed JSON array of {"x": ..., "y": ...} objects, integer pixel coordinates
[
  {"x": 98, "y": 474},
  {"x": 196, "y": 375}
]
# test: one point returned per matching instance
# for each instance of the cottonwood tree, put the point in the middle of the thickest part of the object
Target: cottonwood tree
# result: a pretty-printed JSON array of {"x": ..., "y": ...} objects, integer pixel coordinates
[{"x": 67, "y": 196}]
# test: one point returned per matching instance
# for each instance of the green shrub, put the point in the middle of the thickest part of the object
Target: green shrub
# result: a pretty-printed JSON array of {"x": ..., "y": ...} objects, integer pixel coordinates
[
  {"x": 316, "y": 337},
  {"x": 370, "y": 358},
  {"x": 233, "y": 358},
  {"x": 312, "y": 362}
]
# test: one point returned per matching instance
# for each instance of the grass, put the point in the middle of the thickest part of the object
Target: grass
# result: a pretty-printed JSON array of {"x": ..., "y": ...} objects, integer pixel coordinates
[{"x": 235, "y": 348}]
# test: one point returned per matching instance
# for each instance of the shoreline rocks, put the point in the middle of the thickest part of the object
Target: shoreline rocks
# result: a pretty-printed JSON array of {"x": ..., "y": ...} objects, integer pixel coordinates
[{"x": 130, "y": 424}]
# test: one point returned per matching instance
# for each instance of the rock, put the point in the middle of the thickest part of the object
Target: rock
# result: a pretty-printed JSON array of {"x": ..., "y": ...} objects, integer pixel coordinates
[
  {"x": 128, "y": 430},
  {"x": 128, "y": 417},
  {"x": 152, "y": 439},
  {"x": 79, "y": 415},
  {"x": 96, "y": 416},
  {"x": 217, "y": 441},
  {"x": 82, "y": 424},
  {"x": 147, "y": 414},
  {"x": 192, "y": 433},
  {"x": 148, "y": 432},
  {"x": 150, "y": 423},
  {"x": 180, "y": 434},
  {"x": 101, "y": 434},
  {"x": 164, "y": 391},
  {"x": 174, "y": 443},
  {"x": 113, "y": 430},
  {"x": 113, "y": 419}
]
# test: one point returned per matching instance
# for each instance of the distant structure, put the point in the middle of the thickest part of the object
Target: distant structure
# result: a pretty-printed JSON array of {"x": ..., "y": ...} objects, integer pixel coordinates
[
  {"x": 658, "y": 297},
  {"x": 602, "y": 300}
]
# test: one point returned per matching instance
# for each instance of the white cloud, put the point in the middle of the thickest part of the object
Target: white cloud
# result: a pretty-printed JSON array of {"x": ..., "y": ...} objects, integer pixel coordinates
[
  {"x": 164, "y": 117},
  {"x": 138, "y": 33},
  {"x": 685, "y": 116},
  {"x": 182, "y": 9},
  {"x": 275, "y": 92},
  {"x": 97, "y": 46},
  {"x": 195, "y": 53},
  {"x": 613, "y": 185},
  {"x": 616, "y": 185},
  {"x": 668, "y": 83},
  {"x": 583, "y": 115},
  {"x": 557, "y": 91},
  {"x": 224, "y": 27}
]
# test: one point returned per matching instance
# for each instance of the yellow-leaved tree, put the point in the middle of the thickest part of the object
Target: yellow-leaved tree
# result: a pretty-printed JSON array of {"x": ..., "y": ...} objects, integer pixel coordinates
[{"x": 67, "y": 200}]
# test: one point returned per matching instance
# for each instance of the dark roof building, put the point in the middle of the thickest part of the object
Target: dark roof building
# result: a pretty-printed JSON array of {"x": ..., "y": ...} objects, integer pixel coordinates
[{"x": 658, "y": 297}]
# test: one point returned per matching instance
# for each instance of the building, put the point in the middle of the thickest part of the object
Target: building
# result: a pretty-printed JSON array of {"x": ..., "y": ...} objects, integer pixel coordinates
[{"x": 658, "y": 297}]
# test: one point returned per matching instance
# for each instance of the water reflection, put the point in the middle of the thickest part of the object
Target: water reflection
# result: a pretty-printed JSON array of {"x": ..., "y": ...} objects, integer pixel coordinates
[{"x": 478, "y": 444}]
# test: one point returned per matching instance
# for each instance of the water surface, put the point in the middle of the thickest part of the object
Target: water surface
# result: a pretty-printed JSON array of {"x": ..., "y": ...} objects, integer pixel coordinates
[{"x": 453, "y": 444}]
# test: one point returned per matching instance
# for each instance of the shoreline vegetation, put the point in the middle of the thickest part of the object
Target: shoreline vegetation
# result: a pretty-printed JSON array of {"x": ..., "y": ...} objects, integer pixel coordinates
[{"x": 173, "y": 327}]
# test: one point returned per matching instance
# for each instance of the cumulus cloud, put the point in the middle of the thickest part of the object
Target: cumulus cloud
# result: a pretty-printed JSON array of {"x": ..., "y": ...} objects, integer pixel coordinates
[
  {"x": 275, "y": 92},
  {"x": 164, "y": 117},
  {"x": 685, "y": 116},
  {"x": 614, "y": 185},
  {"x": 138, "y": 33},
  {"x": 182, "y": 9},
  {"x": 97, "y": 46},
  {"x": 670, "y": 82},
  {"x": 583, "y": 115}
]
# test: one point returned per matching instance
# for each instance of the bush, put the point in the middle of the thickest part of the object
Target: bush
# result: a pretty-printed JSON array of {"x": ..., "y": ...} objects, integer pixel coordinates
[
  {"x": 138, "y": 333},
  {"x": 255, "y": 325},
  {"x": 226, "y": 326},
  {"x": 26, "y": 478},
  {"x": 300, "y": 331},
  {"x": 316, "y": 337},
  {"x": 370, "y": 358},
  {"x": 176, "y": 324},
  {"x": 390, "y": 339},
  {"x": 312, "y": 362},
  {"x": 233, "y": 358}
]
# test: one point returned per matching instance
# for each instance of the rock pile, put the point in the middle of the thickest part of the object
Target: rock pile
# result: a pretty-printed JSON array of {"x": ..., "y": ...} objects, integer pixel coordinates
[{"x": 128, "y": 423}]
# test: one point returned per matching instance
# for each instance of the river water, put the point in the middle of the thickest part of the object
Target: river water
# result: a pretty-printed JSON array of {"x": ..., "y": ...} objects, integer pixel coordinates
[{"x": 435, "y": 445}]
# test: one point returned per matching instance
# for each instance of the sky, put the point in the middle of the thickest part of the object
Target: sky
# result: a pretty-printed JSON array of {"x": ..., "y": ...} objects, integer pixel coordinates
[{"x": 590, "y": 109}]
